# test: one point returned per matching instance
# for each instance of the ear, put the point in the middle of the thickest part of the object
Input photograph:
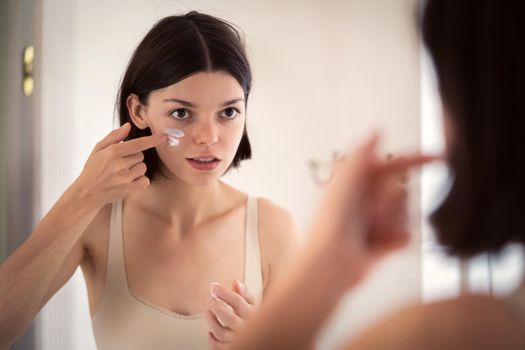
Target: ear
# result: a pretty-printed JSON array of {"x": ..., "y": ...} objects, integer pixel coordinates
[{"x": 137, "y": 111}]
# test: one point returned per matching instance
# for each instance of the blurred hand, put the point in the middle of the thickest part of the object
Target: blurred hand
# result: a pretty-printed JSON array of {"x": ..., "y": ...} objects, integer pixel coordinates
[
  {"x": 115, "y": 169},
  {"x": 227, "y": 311},
  {"x": 363, "y": 213}
]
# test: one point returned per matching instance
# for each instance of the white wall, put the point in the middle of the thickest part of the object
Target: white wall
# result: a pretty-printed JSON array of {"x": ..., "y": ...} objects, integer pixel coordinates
[
  {"x": 56, "y": 136},
  {"x": 325, "y": 74}
]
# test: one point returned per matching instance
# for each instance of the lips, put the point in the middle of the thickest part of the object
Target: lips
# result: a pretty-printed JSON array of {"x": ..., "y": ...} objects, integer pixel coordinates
[
  {"x": 204, "y": 163},
  {"x": 205, "y": 159}
]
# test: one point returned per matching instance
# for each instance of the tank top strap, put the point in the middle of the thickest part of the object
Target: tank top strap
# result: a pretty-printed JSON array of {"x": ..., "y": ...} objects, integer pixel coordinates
[
  {"x": 116, "y": 269},
  {"x": 252, "y": 264}
]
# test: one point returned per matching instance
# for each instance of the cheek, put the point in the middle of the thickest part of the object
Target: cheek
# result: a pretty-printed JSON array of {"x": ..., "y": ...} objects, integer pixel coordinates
[
  {"x": 172, "y": 156},
  {"x": 232, "y": 138},
  {"x": 157, "y": 125},
  {"x": 158, "y": 121}
]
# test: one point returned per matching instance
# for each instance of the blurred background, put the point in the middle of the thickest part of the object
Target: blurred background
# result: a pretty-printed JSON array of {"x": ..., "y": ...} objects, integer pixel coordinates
[{"x": 326, "y": 73}]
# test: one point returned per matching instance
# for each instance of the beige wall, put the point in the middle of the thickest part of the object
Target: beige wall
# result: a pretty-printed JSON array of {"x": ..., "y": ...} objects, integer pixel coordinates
[{"x": 325, "y": 74}]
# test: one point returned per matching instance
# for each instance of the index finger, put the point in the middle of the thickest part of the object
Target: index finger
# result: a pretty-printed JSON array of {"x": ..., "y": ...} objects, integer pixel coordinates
[
  {"x": 140, "y": 144},
  {"x": 406, "y": 162}
]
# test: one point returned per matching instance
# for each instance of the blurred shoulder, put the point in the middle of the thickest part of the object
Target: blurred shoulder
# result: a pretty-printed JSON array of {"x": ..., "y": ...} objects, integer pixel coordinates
[{"x": 466, "y": 322}]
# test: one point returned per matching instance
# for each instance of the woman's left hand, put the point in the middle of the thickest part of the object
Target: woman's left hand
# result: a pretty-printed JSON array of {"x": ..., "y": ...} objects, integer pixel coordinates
[{"x": 227, "y": 311}]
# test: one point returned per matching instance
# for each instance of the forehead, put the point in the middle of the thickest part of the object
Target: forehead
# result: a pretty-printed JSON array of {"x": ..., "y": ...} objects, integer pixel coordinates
[{"x": 203, "y": 87}]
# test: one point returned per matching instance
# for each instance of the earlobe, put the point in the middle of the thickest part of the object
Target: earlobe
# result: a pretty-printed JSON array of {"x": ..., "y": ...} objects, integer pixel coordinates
[{"x": 136, "y": 111}]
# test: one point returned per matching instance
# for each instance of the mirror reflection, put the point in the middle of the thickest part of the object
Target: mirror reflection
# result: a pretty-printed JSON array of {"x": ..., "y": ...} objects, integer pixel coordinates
[{"x": 169, "y": 160}]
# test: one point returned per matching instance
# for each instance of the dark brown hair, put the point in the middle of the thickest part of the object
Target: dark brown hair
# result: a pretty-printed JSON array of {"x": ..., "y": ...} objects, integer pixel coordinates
[
  {"x": 479, "y": 62},
  {"x": 175, "y": 48}
]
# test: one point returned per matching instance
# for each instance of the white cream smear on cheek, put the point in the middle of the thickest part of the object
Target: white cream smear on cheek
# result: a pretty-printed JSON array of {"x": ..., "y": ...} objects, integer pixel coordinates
[{"x": 173, "y": 136}]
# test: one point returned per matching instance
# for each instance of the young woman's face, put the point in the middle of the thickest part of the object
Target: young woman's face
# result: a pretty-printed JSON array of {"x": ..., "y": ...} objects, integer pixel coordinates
[{"x": 209, "y": 108}]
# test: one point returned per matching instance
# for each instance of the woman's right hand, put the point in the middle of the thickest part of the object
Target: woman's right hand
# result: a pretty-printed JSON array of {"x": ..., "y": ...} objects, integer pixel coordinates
[
  {"x": 364, "y": 211},
  {"x": 115, "y": 169}
]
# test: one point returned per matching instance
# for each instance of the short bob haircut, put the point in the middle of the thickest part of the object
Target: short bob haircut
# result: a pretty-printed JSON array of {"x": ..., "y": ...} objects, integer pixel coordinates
[
  {"x": 175, "y": 48},
  {"x": 480, "y": 66}
]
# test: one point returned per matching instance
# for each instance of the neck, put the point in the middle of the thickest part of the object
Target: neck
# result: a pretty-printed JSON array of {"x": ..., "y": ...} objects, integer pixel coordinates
[{"x": 179, "y": 203}]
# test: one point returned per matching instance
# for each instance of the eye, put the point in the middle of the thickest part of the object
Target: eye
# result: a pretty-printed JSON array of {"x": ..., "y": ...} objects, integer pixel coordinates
[
  {"x": 180, "y": 114},
  {"x": 230, "y": 113}
]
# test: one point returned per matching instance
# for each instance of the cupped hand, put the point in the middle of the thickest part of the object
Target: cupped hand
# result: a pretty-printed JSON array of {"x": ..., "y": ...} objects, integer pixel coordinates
[{"x": 226, "y": 312}]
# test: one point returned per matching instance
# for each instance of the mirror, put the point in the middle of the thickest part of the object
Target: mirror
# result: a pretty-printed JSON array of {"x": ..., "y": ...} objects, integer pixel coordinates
[{"x": 325, "y": 73}]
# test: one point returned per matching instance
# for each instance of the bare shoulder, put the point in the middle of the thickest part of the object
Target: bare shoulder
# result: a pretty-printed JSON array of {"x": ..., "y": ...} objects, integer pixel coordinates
[
  {"x": 279, "y": 237},
  {"x": 467, "y": 322},
  {"x": 277, "y": 227},
  {"x": 96, "y": 242},
  {"x": 96, "y": 239},
  {"x": 99, "y": 223}
]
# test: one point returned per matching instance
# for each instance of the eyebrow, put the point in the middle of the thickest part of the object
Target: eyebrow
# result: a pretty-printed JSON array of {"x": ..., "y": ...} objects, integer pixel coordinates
[{"x": 192, "y": 105}]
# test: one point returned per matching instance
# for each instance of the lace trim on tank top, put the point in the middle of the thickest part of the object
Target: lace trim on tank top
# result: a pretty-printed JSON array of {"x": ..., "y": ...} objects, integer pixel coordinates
[{"x": 164, "y": 310}]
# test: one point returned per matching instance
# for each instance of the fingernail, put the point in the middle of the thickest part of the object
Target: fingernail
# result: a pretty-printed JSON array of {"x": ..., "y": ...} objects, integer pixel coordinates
[
  {"x": 241, "y": 285},
  {"x": 214, "y": 289}
]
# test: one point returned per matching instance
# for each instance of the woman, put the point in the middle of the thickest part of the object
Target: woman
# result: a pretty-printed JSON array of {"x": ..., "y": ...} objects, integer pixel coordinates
[
  {"x": 479, "y": 65},
  {"x": 158, "y": 236}
]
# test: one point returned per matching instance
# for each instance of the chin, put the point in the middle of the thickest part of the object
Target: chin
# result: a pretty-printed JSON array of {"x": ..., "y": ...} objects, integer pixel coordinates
[
  {"x": 192, "y": 177},
  {"x": 203, "y": 181},
  {"x": 197, "y": 179}
]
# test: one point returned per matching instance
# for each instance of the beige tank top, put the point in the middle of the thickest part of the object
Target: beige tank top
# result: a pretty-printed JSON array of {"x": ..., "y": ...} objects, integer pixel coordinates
[{"x": 124, "y": 320}]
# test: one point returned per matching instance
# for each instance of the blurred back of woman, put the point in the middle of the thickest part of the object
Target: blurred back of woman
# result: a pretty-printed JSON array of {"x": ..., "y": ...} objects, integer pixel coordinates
[{"x": 475, "y": 47}]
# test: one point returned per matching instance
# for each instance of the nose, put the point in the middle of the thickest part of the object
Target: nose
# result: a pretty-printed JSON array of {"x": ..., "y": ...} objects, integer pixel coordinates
[{"x": 206, "y": 133}]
